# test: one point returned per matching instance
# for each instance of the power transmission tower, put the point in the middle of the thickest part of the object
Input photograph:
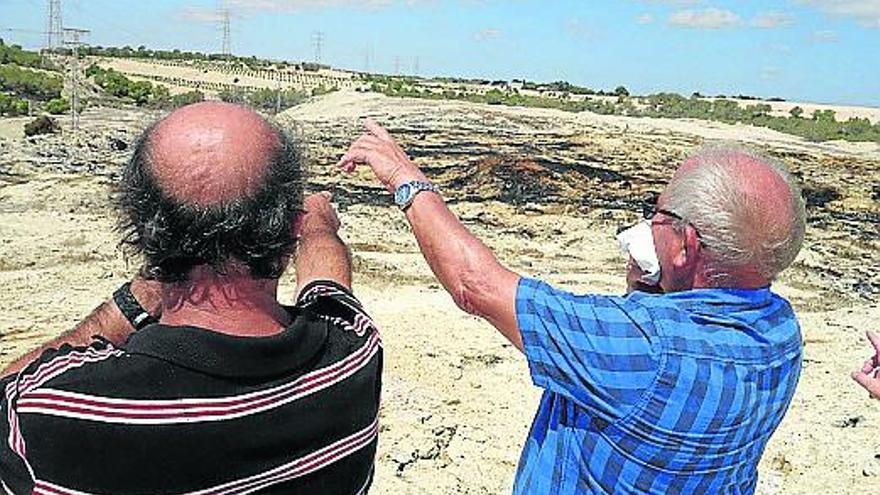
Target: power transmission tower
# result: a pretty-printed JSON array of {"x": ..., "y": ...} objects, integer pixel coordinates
[
  {"x": 318, "y": 44},
  {"x": 368, "y": 54},
  {"x": 225, "y": 27},
  {"x": 54, "y": 33},
  {"x": 72, "y": 40},
  {"x": 396, "y": 65},
  {"x": 416, "y": 66}
]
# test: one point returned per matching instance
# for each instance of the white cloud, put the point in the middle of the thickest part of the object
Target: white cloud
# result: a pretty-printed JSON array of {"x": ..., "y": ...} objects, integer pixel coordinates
[
  {"x": 772, "y": 20},
  {"x": 865, "y": 12},
  {"x": 644, "y": 19},
  {"x": 824, "y": 36},
  {"x": 711, "y": 18},
  {"x": 487, "y": 34}
]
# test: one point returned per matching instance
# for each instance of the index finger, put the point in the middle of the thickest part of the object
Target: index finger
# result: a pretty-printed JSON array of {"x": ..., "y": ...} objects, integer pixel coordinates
[
  {"x": 875, "y": 341},
  {"x": 377, "y": 130}
]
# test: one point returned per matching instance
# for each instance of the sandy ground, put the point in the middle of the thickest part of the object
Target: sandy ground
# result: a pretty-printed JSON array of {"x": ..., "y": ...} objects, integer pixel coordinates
[{"x": 458, "y": 400}]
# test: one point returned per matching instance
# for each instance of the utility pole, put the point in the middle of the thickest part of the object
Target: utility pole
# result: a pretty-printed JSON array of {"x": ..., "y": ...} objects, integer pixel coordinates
[
  {"x": 318, "y": 44},
  {"x": 54, "y": 33},
  {"x": 72, "y": 39},
  {"x": 367, "y": 56},
  {"x": 277, "y": 92},
  {"x": 224, "y": 26}
]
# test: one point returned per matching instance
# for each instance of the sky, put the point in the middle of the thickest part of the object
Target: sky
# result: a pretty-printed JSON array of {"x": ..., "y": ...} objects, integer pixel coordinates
[{"x": 824, "y": 51}]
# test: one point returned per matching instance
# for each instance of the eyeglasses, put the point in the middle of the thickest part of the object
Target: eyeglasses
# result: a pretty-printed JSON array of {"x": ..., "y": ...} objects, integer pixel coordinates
[{"x": 650, "y": 210}]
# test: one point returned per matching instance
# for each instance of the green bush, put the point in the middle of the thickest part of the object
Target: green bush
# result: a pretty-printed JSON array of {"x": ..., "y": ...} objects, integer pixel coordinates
[
  {"x": 30, "y": 84},
  {"x": 12, "y": 106},
  {"x": 263, "y": 99},
  {"x": 187, "y": 98},
  {"x": 58, "y": 106},
  {"x": 141, "y": 92},
  {"x": 14, "y": 54}
]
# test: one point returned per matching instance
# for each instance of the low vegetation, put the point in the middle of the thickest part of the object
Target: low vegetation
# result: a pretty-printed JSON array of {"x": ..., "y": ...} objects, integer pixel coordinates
[
  {"x": 142, "y": 51},
  {"x": 14, "y": 54},
  {"x": 270, "y": 100},
  {"x": 141, "y": 93},
  {"x": 41, "y": 125},
  {"x": 820, "y": 126},
  {"x": 23, "y": 86}
]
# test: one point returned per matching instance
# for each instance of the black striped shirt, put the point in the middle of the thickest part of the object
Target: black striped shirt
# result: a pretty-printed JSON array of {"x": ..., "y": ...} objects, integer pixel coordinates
[{"x": 188, "y": 410}]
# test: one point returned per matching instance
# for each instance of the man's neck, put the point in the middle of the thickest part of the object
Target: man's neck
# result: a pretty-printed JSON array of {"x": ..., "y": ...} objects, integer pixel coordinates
[{"x": 234, "y": 304}]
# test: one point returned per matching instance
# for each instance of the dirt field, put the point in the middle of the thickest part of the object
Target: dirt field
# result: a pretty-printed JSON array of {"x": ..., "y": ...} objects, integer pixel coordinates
[{"x": 546, "y": 190}]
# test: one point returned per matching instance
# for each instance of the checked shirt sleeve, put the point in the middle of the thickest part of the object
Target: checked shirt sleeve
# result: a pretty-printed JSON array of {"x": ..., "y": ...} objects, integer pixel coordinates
[{"x": 596, "y": 350}]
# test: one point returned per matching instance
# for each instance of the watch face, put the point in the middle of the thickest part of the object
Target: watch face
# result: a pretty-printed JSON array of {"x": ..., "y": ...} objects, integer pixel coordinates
[{"x": 401, "y": 196}]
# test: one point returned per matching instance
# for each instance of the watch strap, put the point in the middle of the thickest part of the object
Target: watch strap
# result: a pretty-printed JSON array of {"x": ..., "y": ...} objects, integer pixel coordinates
[
  {"x": 417, "y": 187},
  {"x": 131, "y": 309}
]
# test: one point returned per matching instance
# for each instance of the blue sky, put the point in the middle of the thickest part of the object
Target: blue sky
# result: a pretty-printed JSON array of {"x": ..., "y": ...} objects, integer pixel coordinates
[{"x": 812, "y": 50}]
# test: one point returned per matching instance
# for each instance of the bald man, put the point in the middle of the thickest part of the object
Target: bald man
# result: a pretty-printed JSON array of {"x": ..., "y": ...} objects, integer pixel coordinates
[
  {"x": 193, "y": 378},
  {"x": 674, "y": 392}
]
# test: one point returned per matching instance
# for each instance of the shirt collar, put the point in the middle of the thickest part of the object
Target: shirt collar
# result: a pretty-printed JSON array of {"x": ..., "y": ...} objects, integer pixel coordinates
[{"x": 230, "y": 356}]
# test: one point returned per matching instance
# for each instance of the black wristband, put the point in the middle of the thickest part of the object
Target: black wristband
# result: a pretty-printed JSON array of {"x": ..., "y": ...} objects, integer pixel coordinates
[{"x": 136, "y": 315}]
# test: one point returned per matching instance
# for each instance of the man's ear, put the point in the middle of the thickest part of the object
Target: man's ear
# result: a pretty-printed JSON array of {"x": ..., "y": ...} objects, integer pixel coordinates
[{"x": 690, "y": 248}]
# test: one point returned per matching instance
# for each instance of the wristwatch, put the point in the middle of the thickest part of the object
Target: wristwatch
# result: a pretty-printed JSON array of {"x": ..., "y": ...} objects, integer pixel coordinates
[
  {"x": 406, "y": 192},
  {"x": 131, "y": 309}
]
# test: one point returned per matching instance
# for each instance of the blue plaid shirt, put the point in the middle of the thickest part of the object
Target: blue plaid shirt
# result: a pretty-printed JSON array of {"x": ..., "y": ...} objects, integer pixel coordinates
[{"x": 654, "y": 394}]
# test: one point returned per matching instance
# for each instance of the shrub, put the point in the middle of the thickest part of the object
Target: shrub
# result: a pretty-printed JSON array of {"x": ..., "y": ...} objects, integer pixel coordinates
[
  {"x": 27, "y": 83},
  {"x": 12, "y": 106},
  {"x": 41, "y": 125},
  {"x": 57, "y": 106}
]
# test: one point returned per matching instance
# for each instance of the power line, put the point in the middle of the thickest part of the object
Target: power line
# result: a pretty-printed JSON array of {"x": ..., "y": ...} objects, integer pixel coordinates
[{"x": 318, "y": 44}]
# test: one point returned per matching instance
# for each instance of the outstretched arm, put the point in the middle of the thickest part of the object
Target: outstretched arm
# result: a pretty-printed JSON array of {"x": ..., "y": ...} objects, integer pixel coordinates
[
  {"x": 106, "y": 321},
  {"x": 469, "y": 271},
  {"x": 869, "y": 376},
  {"x": 321, "y": 254}
]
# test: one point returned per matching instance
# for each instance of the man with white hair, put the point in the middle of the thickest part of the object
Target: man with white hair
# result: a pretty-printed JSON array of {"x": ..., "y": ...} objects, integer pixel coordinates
[{"x": 676, "y": 392}]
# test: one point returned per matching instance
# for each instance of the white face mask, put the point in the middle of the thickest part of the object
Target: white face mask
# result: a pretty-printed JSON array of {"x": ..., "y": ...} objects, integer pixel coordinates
[{"x": 638, "y": 242}]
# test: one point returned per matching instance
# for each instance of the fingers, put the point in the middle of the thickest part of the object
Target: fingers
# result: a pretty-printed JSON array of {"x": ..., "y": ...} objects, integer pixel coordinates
[
  {"x": 875, "y": 341},
  {"x": 359, "y": 152},
  {"x": 377, "y": 130},
  {"x": 872, "y": 385}
]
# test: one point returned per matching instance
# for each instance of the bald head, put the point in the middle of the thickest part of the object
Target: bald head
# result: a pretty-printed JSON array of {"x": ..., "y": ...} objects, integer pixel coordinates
[
  {"x": 747, "y": 208},
  {"x": 212, "y": 185},
  {"x": 211, "y": 153}
]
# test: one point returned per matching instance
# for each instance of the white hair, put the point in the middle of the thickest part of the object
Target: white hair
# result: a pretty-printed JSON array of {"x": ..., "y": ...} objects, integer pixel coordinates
[{"x": 737, "y": 231}]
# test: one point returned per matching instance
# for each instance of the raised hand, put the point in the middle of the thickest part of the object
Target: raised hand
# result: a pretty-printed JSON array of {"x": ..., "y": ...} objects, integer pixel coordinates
[
  {"x": 320, "y": 215},
  {"x": 377, "y": 149},
  {"x": 869, "y": 375}
]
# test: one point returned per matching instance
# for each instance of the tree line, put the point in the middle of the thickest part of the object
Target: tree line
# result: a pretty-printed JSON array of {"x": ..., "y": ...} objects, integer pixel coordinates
[{"x": 821, "y": 125}]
